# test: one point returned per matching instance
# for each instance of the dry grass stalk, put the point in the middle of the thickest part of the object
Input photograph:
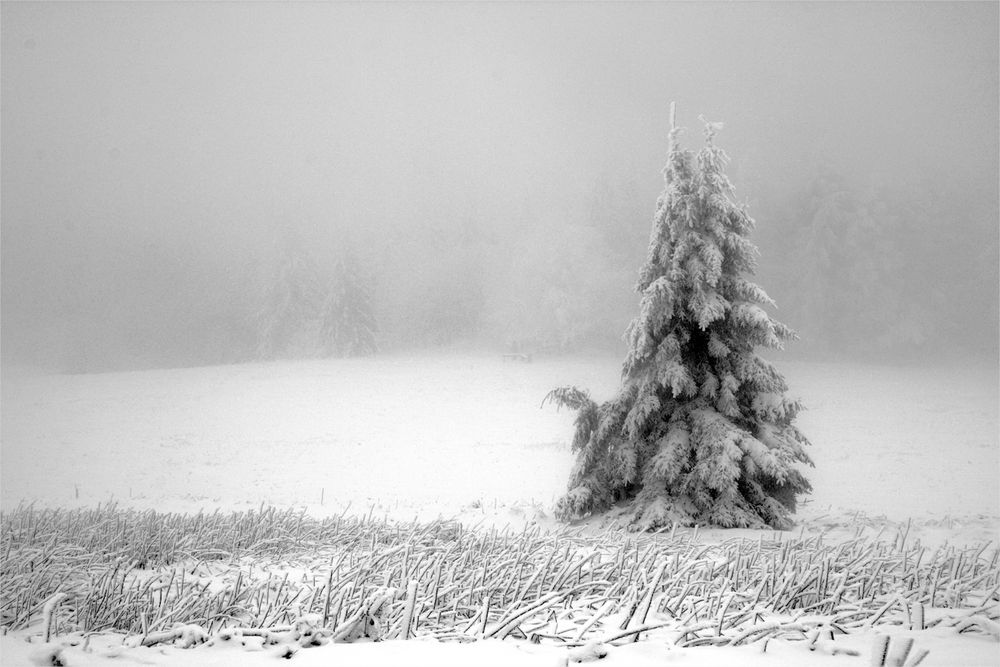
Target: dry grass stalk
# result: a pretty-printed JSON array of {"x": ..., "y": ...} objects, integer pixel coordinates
[{"x": 143, "y": 572}]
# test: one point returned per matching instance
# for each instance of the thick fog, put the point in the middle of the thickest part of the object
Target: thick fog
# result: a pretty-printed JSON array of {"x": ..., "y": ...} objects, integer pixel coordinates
[{"x": 491, "y": 169}]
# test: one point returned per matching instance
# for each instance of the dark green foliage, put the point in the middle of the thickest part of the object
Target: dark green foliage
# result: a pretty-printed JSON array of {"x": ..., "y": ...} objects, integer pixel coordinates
[{"x": 700, "y": 430}]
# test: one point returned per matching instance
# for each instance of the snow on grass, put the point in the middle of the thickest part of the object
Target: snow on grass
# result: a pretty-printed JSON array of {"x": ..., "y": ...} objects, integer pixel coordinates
[
  {"x": 362, "y": 442},
  {"x": 284, "y": 582}
]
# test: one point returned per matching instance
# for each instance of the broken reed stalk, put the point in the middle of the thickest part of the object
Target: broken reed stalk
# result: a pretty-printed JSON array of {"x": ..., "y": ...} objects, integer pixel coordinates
[
  {"x": 141, "y": 572},
  {"x": 411, "y": 599}
]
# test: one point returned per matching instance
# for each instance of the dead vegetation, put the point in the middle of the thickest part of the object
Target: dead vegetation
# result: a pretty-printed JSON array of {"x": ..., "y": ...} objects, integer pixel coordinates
[{"x": 282, "y": 575}]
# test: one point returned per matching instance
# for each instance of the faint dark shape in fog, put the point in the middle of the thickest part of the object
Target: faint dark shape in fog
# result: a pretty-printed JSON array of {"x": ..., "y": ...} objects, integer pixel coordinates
[{"x": 497, "y": 166}]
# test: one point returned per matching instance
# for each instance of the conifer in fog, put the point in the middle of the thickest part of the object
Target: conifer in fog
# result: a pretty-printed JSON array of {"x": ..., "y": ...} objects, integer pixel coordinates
[
  {"x": 700, "y": 430},
  {"x": 289, "y": 300},
  {"x": 348, "y": 327}
]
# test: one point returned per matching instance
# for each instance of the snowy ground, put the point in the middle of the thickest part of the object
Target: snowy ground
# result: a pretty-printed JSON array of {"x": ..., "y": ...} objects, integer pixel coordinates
[
  {"x": 464, "y": 436},
  {"x": 943, "y": 646}
]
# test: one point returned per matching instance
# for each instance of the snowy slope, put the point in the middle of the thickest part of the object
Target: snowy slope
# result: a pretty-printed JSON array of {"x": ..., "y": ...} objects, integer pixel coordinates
[
  {"x": 464, "y": 436},
  {"x": 436, "y": 433}
]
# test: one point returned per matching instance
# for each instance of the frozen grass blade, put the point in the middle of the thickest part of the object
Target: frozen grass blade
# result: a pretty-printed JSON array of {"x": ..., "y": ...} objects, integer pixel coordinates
[{"x": 142, "y": 572}]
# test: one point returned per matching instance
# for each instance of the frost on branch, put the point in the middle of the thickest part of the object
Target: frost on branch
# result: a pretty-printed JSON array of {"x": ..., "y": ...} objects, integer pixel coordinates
[{"x": 700, "y": 430}]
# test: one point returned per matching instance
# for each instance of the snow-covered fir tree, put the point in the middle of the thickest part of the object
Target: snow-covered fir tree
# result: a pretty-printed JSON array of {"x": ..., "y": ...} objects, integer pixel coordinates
[
  {"x": 700, "y": 430},
  {"x": 290, "y": 298},
  {"x": 348, "y": 327}
]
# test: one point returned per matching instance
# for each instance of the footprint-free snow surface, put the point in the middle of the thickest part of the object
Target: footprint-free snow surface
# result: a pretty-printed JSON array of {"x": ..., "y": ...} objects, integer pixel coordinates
[{"x": 464, "y": 436}]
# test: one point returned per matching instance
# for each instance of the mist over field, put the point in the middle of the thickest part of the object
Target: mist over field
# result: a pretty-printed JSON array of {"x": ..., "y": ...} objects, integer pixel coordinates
[
  {"x": 493, "y": 168},
  {"x": 312, "y": 315}
]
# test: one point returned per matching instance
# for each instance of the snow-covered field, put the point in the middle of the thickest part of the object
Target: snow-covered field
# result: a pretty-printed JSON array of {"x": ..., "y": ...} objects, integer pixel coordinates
[{"x": 463, "y": 436}]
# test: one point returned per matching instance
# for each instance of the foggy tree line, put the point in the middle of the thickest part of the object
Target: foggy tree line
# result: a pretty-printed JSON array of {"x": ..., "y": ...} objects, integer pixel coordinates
[
  {"x": 301, "y": 314},
  {"x": 865, "y": 271},
  {"x": 876, "y": 271},
  {"x": 504, "y": 200},
  {"x": 882, "y": 270}
]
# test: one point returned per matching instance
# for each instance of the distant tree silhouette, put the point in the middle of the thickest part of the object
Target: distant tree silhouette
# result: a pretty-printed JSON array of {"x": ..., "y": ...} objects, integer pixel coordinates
[
  {"x": 289, "y": 299},
  {"x": 348, "y": 326}
]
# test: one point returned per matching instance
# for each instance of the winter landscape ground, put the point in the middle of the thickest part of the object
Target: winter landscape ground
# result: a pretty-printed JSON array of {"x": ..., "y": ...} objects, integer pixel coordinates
[{"x": 299, "y": 500}]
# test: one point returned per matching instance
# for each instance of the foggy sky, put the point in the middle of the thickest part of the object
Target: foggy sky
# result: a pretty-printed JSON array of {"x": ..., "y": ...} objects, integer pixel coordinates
[{"x": 178, "y": 135}]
